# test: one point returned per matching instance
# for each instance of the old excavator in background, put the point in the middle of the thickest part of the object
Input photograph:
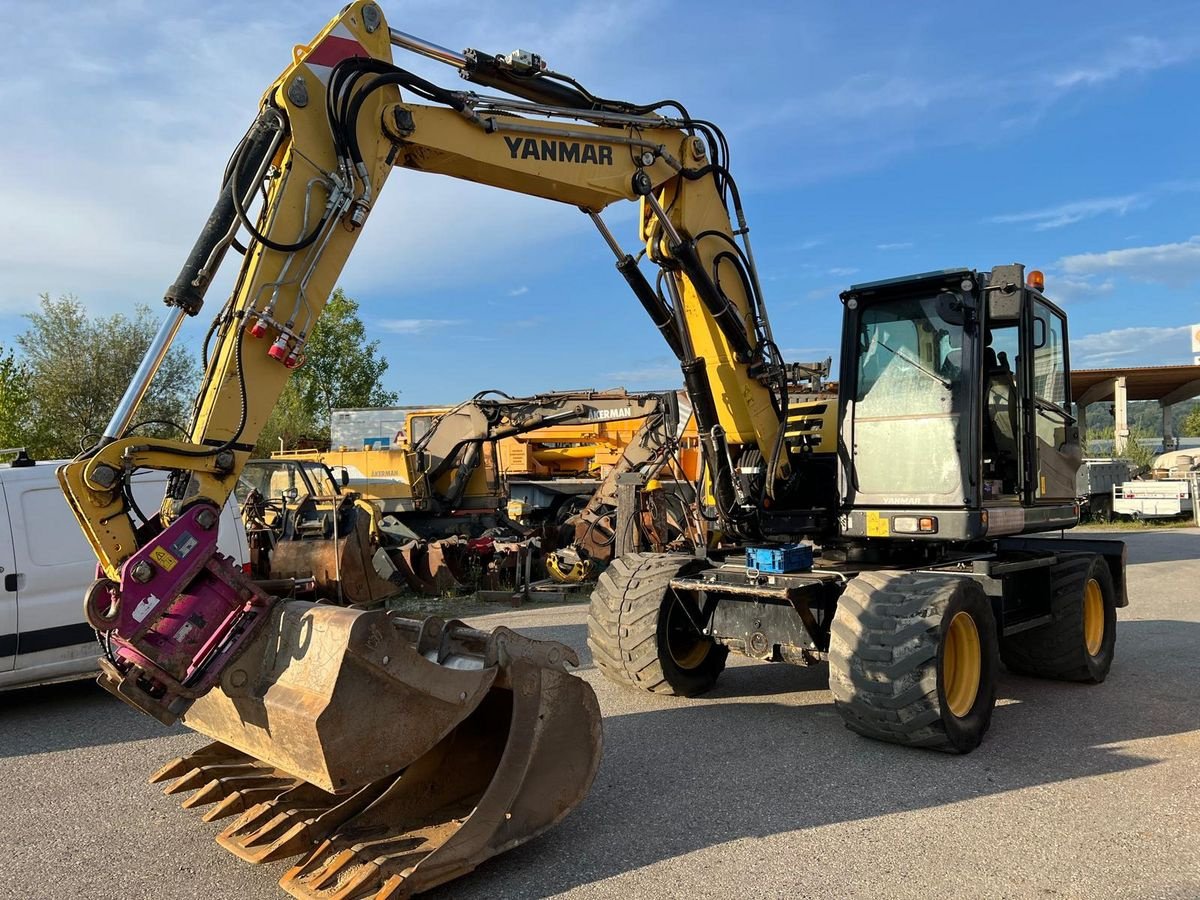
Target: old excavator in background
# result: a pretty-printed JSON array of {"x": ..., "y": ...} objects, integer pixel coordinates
[
  {"x": 392, "y": 754},
  {"x": 431, "y": 515}
]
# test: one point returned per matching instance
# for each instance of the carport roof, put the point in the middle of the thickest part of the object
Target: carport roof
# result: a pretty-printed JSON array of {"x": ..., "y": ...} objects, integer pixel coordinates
[{"x": 1166, "y": 383}]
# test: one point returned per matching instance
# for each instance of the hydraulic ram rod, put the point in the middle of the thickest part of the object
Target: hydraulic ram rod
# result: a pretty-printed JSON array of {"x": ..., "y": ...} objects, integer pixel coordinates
[{"x": 427, "y": 48}]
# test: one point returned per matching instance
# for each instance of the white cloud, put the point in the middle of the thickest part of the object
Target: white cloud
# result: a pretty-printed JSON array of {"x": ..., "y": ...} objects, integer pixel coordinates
[
  {"x": 898, "y": 245},
  {"x": 1064, "y": 289},
  {"x": 1143, "y": 345},
  {"x": 414, "y": 326},
  {"x": 1135, "y": 54},
  {"x": 839, "y": 271},
  {"x": 1070, "y": 213},
  {"x": 519, "y": 292},
  {"x": 649, "y": 374},
  {"x": 1176, "y": 264}
]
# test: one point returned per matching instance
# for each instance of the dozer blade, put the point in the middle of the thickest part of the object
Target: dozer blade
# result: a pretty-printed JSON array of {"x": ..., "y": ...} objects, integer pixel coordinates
[
  {"x": 342, "y": 570},
  {"x": 395, "y": 754}
]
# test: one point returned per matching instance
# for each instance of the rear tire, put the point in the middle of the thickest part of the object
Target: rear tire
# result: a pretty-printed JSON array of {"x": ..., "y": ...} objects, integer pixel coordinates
[
  {"x": 640, "y": 634},
  {"x": 1080, "y": 643},
  {"x": 913, "y": 660}
]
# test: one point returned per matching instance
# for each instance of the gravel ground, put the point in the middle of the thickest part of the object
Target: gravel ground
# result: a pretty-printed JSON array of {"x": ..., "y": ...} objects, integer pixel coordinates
[{"x": 754, "y": 791}]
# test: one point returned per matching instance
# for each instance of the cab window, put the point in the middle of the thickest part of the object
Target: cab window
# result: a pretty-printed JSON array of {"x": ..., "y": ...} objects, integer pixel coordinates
[{"x": 1049, "y": 358}]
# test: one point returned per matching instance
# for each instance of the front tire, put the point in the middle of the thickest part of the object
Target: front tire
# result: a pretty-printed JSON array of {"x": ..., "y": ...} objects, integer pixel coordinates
[
  {"x": 913, "y": 659},
  {"x": 641, "y": 633},
  {"x": 1080, "y": 643}
]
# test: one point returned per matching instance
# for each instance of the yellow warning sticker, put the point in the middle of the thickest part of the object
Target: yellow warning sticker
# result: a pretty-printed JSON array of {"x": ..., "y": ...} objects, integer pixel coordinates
[
  {"x": 877, "y": 525},
  {"x": 163, "y": 558}
]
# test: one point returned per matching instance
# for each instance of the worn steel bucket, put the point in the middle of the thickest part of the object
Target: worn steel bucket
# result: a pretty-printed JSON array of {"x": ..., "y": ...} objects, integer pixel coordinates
[
  {"x": 394, "y": 755},
  {"x": 342, "y": 569}
]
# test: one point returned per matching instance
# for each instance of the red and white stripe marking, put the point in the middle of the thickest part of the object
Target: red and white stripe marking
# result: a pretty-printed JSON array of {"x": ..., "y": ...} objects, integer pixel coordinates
[{"x": 339, "y": 44}]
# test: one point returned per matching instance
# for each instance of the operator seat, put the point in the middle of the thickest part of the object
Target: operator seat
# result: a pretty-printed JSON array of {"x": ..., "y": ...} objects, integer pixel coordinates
[{"x": 1001, "y": 399}]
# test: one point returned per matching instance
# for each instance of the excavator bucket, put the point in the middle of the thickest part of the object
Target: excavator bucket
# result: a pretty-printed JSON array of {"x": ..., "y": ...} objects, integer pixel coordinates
[
  {"x": 392, "y": 755},
  {"x": 342, "y": 569}
]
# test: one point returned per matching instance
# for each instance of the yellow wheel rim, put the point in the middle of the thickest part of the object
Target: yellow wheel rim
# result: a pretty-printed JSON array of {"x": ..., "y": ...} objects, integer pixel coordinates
[
  {"x": 962, "y": 664},
  {"x": 688, "y": 648},
  {"x": 1093, "y": 617}
]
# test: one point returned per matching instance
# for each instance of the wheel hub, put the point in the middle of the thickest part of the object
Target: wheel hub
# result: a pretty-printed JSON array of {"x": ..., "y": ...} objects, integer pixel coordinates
[
  {"x": 1093, "y": 617},
  {"x": 962, "y": 664}
]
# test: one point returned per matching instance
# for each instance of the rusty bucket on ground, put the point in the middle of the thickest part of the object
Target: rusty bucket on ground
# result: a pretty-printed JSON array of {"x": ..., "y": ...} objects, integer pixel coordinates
[
  {"x": 392, "y": 755},
  {"x": 342, "y": 569}
]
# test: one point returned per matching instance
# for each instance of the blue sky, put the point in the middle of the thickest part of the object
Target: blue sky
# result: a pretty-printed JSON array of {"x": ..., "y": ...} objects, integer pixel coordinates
[{"x": 869, "y": 139}]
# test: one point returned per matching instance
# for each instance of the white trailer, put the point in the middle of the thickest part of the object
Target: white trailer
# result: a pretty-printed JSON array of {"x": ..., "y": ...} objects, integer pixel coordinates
[{"x": 1153, "y": 499}]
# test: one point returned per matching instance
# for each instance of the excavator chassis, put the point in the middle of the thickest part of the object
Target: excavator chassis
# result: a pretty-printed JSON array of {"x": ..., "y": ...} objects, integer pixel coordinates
[{"x": 391, "y": 755}]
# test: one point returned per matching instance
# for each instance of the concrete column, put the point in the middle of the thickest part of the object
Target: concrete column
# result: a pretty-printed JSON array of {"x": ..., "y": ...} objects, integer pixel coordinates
[
  {"x": 1168, "y": 431},
  {"x": 1120, "y": 416}
]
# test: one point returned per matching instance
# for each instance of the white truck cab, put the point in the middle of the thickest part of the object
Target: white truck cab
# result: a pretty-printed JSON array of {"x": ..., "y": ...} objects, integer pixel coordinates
[{"x": 45, "y": 566}]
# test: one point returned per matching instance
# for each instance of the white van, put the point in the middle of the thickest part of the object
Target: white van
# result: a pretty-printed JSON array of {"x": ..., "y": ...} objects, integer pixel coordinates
[{"x": 45, "y": 566}]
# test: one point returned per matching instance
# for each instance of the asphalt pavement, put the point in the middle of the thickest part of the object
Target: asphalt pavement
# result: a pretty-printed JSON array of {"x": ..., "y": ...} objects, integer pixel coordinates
[{"x": 756, "y": 790}]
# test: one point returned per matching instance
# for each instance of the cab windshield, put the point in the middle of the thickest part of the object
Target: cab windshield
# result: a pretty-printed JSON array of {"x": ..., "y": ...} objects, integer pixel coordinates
[{"x": 908, "y": 399}]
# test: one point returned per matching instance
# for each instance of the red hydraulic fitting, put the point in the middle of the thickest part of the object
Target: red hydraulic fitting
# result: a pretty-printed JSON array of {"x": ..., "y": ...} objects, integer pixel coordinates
[
  {"x": 294, "y": 360},
  {"x": 258, "y": 329},
  {"x": 279, "y": 349}
]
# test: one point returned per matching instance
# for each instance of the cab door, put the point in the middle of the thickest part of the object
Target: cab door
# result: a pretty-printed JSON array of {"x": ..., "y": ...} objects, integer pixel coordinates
[
  {"x": 9, "y": 583},
  {"x": 1053, "y": 438}
]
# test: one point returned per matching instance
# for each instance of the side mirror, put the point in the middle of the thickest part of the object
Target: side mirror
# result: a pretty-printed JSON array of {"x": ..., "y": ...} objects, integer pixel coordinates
[
  {"x": 342, "y": 474},
  {"x": 291, "y": 494},
  {"x": 1004, "y": 307}
]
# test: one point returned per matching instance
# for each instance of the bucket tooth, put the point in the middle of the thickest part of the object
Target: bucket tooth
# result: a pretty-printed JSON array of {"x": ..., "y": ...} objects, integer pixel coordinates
[
  {"x": 203, "y": 777},
  {"x": 247, "y": 798},
  {"x": 293, "y": 822},
  {"x": 271, "y": 835},
  {"x": 220, "y": 775},
  {"x": 215, "y": 752},
  {"x": 264, "y": 783}
]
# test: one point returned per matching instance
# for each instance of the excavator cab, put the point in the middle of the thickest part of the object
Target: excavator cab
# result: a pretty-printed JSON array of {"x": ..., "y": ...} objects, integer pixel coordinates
[{"x": 956, "y": 420}]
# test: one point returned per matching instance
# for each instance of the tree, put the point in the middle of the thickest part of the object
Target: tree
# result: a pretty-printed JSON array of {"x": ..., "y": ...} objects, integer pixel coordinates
[
  {"x": 290, "y": 423},
  {"x": 341, "y": 369},
  {"x": 16, "y": 413},
  {"x": 1191, "y": 424},
  {"x": 79, "y": 367}
]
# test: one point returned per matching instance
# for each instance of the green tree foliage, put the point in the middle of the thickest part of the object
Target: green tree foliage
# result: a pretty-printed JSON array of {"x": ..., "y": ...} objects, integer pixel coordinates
[
  {"x": 78, "y": 367},
  {"x": 341, "y": 369},
  {"x": 1190, "y": 427},
  {"x": 290, "y": 425},
  {"x": 16, "y": 408}
]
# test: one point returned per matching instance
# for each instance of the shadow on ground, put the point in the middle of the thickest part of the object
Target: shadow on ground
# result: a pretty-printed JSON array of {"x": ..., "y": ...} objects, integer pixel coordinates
[
  {"x": 67, "y": 716},
  {"x": 743, "y": 762},
  {"x": 690, "y": 775}
]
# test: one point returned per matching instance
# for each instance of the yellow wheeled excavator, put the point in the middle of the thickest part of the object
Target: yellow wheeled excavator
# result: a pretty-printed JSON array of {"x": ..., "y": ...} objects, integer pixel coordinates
[{"x": 391, "y": 754}]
